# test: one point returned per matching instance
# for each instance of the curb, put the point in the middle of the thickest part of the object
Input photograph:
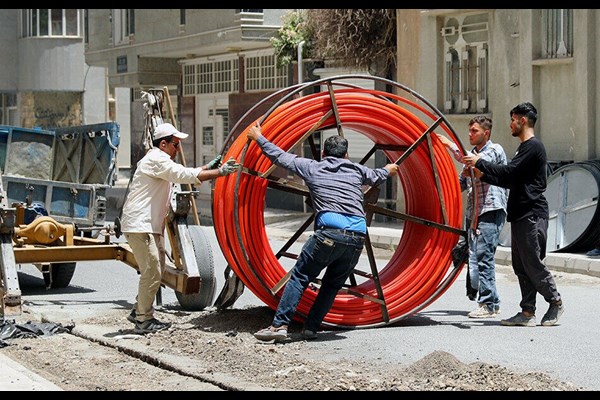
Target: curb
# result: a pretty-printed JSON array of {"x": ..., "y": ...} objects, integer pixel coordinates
[
  {"x": 106, "y": 336},
  {"x": 563, "y": 262},
  {"x": 15, "y": 377}
]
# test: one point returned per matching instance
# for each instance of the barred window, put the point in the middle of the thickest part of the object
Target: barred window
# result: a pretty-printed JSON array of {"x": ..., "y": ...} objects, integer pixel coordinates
[
  {"x": 211, "y": 77},
  {"x": 557, "y": 28},
  {"x": 205, "y": 78},
  {"x": 222, "y": 76},
  {"x": 466, "y": 64},
  {"x": 208, "y": 136},
  {"x": 262, "y": 74},
  {"x": 189, "y": 79}
]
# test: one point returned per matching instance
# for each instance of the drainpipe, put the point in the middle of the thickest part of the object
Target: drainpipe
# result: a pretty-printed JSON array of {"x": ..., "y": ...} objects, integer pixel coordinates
[
  {"x": 300, "y": 80},
  {"x": 300, "y": 68}
]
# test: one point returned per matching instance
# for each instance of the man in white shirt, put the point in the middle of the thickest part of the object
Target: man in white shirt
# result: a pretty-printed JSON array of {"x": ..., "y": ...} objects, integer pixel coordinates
[{"x": 145, "y": 210}]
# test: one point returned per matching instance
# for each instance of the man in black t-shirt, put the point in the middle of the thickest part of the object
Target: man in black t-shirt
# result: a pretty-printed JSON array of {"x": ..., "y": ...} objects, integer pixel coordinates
[{"x": 527, "y": 211}]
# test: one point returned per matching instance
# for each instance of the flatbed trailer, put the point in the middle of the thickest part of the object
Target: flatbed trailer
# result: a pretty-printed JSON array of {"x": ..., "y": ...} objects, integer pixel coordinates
[{"x": 53, "y": 214}]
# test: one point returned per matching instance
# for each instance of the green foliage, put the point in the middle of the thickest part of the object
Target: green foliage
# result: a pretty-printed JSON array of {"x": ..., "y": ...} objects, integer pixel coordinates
[{"x": 294, "y": 29}]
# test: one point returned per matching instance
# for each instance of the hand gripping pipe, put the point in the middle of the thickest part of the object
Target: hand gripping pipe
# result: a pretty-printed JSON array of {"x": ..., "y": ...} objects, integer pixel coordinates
[{"x": 403, "y": 127}]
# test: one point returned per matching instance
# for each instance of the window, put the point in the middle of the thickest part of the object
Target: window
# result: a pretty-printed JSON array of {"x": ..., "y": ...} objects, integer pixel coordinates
[
  {"x": 123, "y": 25},
  {"x": 182, "y": 16},
  {"x": 208, "y": 136},
  {"x": 211, "y": 77},
  {"x": 224, "y": 113},
  {"x": 222, "y": 76},
  {"x": 262, "y": 74},
  {"x": 250, "y": 16},
  {"x": 206, "y": 159},
  {"x": 557, "y": 28},
  {"x": 51, "y": 22},
  {"x": 86, "y": 24},
  {"x": 8, "y": 108},
  {"x": 466, "y": 64}
]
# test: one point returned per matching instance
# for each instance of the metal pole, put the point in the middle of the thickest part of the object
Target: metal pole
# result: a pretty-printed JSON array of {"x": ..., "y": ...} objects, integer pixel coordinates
[{"x": 300, "y": 67}]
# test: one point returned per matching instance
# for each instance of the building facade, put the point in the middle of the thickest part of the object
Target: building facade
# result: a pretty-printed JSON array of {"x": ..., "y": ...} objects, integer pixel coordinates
[
  {"x": 44, "y": 80},
  {"x": 489, "y": 60},
  {"x": 215, "y": 63}
]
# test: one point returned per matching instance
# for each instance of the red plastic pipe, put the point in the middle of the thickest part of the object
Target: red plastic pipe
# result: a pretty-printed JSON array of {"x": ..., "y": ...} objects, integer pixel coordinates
[{"x": 420, "y": 269}]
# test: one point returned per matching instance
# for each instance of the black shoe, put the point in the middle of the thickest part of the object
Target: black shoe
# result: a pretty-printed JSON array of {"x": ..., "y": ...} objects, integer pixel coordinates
[
  {"x": 553, "y": 314},
  {"x": 131, "y": 317},
  {"x": 150, "y": 326},
  {"x": 308, "y": 335},
  {"x": 519, "y": 319}
]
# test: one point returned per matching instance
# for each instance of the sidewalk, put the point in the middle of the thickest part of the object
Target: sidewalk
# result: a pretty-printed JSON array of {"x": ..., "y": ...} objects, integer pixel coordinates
[{"x": 16, "y": 378}]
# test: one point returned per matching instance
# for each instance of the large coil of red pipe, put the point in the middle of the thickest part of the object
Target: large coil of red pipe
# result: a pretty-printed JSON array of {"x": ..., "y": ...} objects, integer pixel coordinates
[{"x": 402, "y": 125}]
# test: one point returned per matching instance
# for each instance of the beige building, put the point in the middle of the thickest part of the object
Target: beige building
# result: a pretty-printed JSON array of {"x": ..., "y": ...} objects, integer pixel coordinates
[{"x": 489, "y": 60}]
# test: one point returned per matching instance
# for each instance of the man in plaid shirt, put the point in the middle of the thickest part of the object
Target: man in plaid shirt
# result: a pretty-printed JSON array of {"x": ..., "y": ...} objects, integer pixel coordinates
[{"x": 491, "y": 212}]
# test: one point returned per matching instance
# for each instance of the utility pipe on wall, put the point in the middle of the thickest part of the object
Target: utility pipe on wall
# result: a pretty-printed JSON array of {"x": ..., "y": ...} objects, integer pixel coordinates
[{"x": 300, "y": 69}]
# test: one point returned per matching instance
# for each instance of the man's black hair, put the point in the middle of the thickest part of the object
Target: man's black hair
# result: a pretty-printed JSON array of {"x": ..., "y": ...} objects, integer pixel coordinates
[
  {"x": 527, "y": 110},
  {"x": 483, "y": 121},
  {"x": 156, "y": 142},
  {"x": 335, "y": 146}
]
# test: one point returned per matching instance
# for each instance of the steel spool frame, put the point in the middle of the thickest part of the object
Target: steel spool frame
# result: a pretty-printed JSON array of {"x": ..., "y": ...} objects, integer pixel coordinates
[{"x": 421, "y": 268}]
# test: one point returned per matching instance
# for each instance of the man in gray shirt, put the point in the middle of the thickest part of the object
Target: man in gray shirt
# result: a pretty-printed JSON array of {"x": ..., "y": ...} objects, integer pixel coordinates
[{"x": 335, "y": 185}]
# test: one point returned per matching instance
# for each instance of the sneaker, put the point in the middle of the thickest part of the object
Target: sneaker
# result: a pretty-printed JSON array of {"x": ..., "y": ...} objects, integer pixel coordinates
[
  {"x": 150, "y": 326},
  {"x": 308, "y": 334},
  {"x": 482, "y": 311},
  {"x": 593, "y": 253},
  {"x": 519, "y": 319},
  {"x": 131, "y": 317},
  {"x": 553, "y": 314},
  {"x": 278, "y": 334}
]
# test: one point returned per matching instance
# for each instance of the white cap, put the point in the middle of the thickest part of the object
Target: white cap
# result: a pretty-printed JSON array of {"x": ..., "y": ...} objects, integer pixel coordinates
[{"x": 166, "y": 129}]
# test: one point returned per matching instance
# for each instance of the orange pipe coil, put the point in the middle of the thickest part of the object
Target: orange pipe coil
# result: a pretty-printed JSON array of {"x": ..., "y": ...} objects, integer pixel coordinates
[{"x": 420, "y": 269}]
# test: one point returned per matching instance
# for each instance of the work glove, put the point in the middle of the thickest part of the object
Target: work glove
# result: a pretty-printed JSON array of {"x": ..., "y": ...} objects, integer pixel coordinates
[
  {"x": 216, "y": 163},
  {"x": 229, "y": 167}
]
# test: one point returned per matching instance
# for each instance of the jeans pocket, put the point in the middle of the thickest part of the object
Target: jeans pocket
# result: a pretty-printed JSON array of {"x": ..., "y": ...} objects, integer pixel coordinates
[
  {"x": 323, "y": 248},
  {"x": 356, "y": 256}
]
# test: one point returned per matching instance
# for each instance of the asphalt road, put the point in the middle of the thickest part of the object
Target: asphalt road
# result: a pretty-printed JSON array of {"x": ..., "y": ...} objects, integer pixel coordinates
[{"x": 568, "y": 351}]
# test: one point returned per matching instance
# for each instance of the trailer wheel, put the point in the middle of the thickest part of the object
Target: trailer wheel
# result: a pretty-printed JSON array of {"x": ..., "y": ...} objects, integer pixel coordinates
[
  {"x": 208, "y": 282},
  {"x": 60, "y": 275}
]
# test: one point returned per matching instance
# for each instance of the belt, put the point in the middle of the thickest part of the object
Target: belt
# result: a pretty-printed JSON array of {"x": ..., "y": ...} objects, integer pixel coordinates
[{"x": 344, "y": 232}]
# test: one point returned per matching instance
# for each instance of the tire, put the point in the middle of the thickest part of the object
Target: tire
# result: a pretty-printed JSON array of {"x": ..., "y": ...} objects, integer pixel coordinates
[
  {"x": 61, "y": 274},
  {"x": 206, "y": 268}
]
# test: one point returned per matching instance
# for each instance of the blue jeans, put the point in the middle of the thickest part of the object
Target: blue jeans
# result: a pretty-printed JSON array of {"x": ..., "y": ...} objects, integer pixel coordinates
[
  {"x": 482, "y": 249},
  {"x": 337, "y": 252}
]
